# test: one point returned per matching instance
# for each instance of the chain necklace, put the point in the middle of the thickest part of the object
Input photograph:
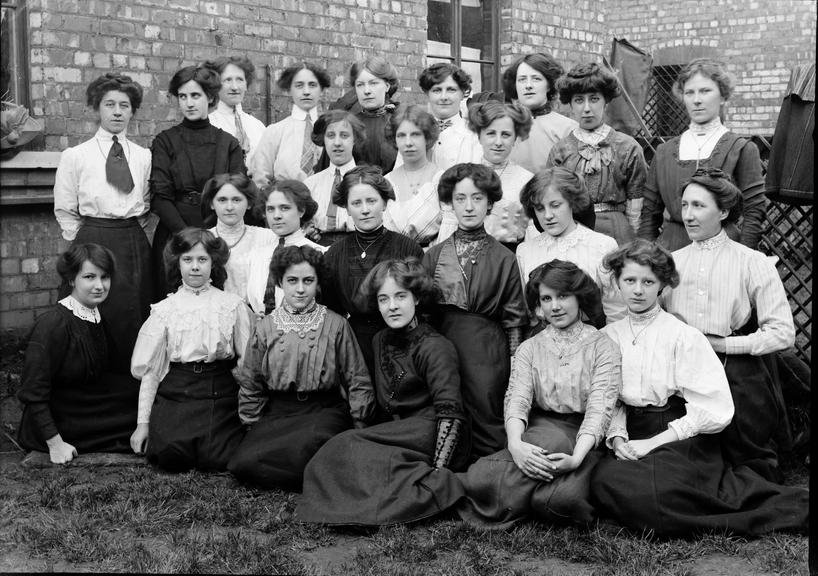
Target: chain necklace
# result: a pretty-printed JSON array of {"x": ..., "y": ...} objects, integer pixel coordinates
[
  {"x": 363, "y": 250},
  {"x": 241, "y": 236},
  {"x": 648, "y": 317}
]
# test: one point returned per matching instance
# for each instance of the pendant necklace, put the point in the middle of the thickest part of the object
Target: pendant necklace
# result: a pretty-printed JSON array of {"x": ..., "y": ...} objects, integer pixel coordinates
[
  {"x": 699, "y": 147},
  {"x": 636, "y": 335},
  {"x": 363, "y": 250}
]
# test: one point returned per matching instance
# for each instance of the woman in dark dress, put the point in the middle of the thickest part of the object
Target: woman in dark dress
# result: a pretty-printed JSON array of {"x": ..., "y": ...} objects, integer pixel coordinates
[
  {"x": 303, "y": 381},
  {"x": 186, "y": 156},
  {"x": 71, "y": 405},
  {"x": 363, "y": 192},
  {"x": 399, "y": 469},
  {"x": 483, "y": 309}
]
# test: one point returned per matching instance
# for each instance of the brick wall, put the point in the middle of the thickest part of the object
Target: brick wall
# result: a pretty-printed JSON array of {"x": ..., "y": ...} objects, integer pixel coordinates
[{"x": 759, "y": 40}]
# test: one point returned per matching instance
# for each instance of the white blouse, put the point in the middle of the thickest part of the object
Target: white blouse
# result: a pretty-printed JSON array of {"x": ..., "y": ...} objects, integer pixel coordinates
[
  {"x": 224, "y": 118},
  {"x": 669, "y": 357},
  {"x": 585, "y": 248},
  {"x": 455, "y": 145},
  {"x": 722, "y": 282},
  {"x": 418, "y": 215},
  {"x": 190, "y": 325},
  {"x": 278, "y": 153},
  {"x": 320, "y": 185},
  {"x": 244, "y": 242}
]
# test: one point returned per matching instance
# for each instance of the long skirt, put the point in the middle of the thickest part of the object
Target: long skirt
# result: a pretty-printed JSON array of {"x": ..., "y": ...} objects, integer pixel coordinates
[
  {"x": 485, "y": 367},
  {"x": 194, "y": 420},
  {"x": 378, "y": 476},
  {"x": 615, "y": 224},
  {"x": 293, "y": 427},
  {"x": 685, "y": 487},
  {"x": 128, "y": 303},
  {"x": 759, "y": 428},
  {"x": 499, "y": 495}
]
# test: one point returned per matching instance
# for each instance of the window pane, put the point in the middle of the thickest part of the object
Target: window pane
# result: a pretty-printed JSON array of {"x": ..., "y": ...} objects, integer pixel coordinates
[
  {"x": 7, "y": 53},
  {"x": 439, "y": 21},
  {"x": 478, "y": 42}
]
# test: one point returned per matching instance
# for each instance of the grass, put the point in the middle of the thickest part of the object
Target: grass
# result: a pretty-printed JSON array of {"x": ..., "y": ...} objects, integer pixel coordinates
[{"x": 136, "y": 519}]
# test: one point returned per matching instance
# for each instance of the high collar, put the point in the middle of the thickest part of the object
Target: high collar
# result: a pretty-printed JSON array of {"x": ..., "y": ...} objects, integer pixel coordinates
[
  {"x": 230, "y": 232},
  {"x": 592, "y": 137},
  {"x": 457, "y": 120},
  {"x": 344, "y": 168},
  {"x": 299, "y": 114},
  {"x": 223, "y": 108},
  {"x": 646, "y": 316},
  {"x": 713, "y": 242},
  {"x": 706, "y": 128},
  {"x": 541, "y": 111},
  {"x": 311, "y": 307},
  {"x": 105, "y": 136},
  {"x": 471, "y": 235},
  {"x": 567, "y": 334},
  {"x": 291, "y": 239},
  {"x": 196, "y": 124},
  {"x": 370, "y": 236},
  {"x": 195, "y": 291}
]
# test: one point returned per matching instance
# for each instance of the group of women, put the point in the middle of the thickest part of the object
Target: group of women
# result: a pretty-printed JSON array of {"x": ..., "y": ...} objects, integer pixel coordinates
[{"x": 402, "y": 310}]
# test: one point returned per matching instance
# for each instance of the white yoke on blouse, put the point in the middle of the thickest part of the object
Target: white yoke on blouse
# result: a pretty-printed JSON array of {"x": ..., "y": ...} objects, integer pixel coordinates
[
  {"x": 456, "y": 144},
  {"x": 81, "y": 188},
  {"x": 722, "y": 282},
  {"x": 669, "y": 358},
  {"x": 415, "y": 212},
  {"x": 224, "y": 118},
  {"x": 190, "y": 325},
  {"x": 259, "y": 266},
  {"x": 582, "y": 376},
  {"x": 278, "y": 153},
  {"x": 239, "y": 264},
  {"x": 320, "y": 185},
  {"x": 585, "y": 248}
]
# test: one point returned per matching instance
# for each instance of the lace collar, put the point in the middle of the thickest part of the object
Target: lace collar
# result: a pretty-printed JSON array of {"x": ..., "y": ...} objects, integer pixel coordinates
[
  {"x": 568, "y": 335},
  {"x": 592, "y": 137},
  {"x": 541, "y": 111},
  {"x": 706, "y": 128},
  {"x": 646, "y": 317},
  {"x": 288, "y": 320},
  {"x": 231, "y": 234},
  {"x": 195, "y": 291},
  {"x": 566, "y": 241},
  {"x": 80, "y": 311},
  {"x": 713, "y": 242},
  {"x": 470, "y": 235}
]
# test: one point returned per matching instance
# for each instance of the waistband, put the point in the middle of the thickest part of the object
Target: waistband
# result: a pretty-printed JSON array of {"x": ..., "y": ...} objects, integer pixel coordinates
[
  {"x": 674, "y": 402},
  {"x": 609, "y": 207},
  {"x": 204, "y": 367},
  {"x": 321, "y": 396},
  {"x": 111, "y": 222}
]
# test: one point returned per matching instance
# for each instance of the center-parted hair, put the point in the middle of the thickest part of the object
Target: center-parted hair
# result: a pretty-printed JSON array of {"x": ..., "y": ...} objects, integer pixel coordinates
[
  {"x": 585, "y": 78},
  {"x": 543, "y": 63},
  {"x": 417, "y": 116},
  {"x": 567, "y": 182},
  {"x": 241, "y": 182},
  {"x": 407, "y": 273},
  {"x": 379, "y": 67},
  {"x": 566, "y": 278},
  {"x": 242, "y": 62},
  {"x": 331, "y": 117},
  {"x": 287, "y": 256},
  {"x": 485, "y": 179},
  {"x": 113, "y": 81},
  {"x": 70, "y": 262},
  {"x": 645, "y": 253},
  {"x": 184, "y": 241},
  {"x": 285, "y": 79},
  {"x": 483, "y": 114},
  {"x": 207, "y": 78},
  {"x": 363, "y": 174},
  {"x": 726, "y": 194},
  {"x": 437, "y": 73},
  {"x": 709, "y": 68},
  {"x": 297, "y": 192}
]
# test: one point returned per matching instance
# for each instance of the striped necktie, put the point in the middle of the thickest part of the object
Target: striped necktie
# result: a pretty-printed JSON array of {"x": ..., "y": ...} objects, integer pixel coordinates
[
  {"x": 241, "y": 135},
  {"x": 332, "y": 209},
  {"x": 308, "y": 149}
]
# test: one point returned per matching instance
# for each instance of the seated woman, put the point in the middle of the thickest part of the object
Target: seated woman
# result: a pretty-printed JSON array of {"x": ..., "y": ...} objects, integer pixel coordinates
[
  {"x": 483, "y": 308},
  {"x": 558, "y": 406},
  {"x": 397, "y": 470},
  {"x": 288, "y": 207},
  {"x": 303, "y": 381},
  {"x": 233, "y": 198},
  {"x": 498, "y": 126},
  {"x": 669, "y": 474},
  {"x": 188, "y": 400},
  {"x": 71, "y": 403},
  {"x": 554, "y": 198},
  {"x": 611, "y": 162},
  {"x": 735, "y": 297},
  {"x": 415, "y": 212}
]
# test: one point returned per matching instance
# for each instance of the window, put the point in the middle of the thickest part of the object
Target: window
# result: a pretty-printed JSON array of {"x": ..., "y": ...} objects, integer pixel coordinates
[
  {"x": 13, "y": 52},
  {"x": 466, "y": 32},
  {"x": 664, "y": 114}
]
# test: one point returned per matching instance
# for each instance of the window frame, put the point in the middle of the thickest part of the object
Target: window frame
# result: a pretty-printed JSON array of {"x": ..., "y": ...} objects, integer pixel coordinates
[{"x": 18, "y": 60}]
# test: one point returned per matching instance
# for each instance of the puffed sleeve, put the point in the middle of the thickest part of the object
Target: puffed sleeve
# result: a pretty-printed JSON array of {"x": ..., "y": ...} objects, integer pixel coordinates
[
  {"x": 520, "y": 392},
  {"x": 768, "y": 298},
  {"x": 150, "y": 361},
  {"x": 252, "y": 377},
  {"x": 437, "y": 362},
  {"x": 750, "y": 181},
  {"x": 606, "y": 382},
  {"x": 66, "y": 195},
  {"x": 652, "y": 203},
  {"x": 163, "y": 201},
  {"x": 701, "y": 381},
  {"x": 354, "y": 374}
]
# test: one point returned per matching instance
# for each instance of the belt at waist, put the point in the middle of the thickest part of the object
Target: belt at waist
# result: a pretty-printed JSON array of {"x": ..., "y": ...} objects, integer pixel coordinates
[
  {"x": 332, "y": 395},
  {"x": 609, "y": 207},
  {"x": 672, "y": 402},
  {"x": 111, "y": 222},
  {"x": 205, "y": 367}
]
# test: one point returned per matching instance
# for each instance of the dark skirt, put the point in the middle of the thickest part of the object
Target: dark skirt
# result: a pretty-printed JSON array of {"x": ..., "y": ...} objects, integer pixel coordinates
[
  {"x": 378, "y": 476},
  {"x": 683, "y": 488},
  {"x": 128, "y": 303},
  {"x": 365, "y": 329},
  {"x": 194, "y": 421},
  {"x": 615, "y": 224},
  {"x": 499, "y": 495},
  {"x": 293, "y": 427},
  {"x": 485, "y": 368}
]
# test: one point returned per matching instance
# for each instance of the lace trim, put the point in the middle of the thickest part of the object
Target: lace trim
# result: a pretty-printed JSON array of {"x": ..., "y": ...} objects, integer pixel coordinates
[
  {"x": 592, "y": 137},
  {"x": 713, "y": 242},
  {"x": 566, "y": 336},
  {"x": 564, "y": 243},
  {"x": 645, "y": 317},
  {"x": 448, "y": 436},
  {"x": 82, "y": 312},
  {"x": 707, "y": 128},
  {"x": 287, "y": 321},
  {"x": 231, "y": 234},
  {"x": 195, "y": 291}
]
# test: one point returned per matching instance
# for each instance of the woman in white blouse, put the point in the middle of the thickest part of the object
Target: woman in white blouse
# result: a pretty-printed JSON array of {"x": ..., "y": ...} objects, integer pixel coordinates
[
  {"x": 185, "y": 356},
  {"x": 669, "y": 474},
  {"x": 734, "y": 296},
  {"x": 559, "y": 402},
  {"x": 233, "y": 199},
  {"x": 555, "y": 198}
]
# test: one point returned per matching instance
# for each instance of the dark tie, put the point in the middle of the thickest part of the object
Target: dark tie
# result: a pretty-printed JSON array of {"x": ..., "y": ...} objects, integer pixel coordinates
[
  {"x": 270, "y": 290},
  {"x": 443, "y": 124},
  {"x": 332, "y": 209},
  {"x": 116, "y": 168}
]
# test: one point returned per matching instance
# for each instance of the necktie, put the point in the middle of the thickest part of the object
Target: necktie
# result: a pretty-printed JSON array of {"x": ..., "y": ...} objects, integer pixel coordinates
[
  {"x": 332, "y": 209},
  {"x": 443, "y": 124},
  {"x": 270, "y": 289},
  {"x": 308, "y": 149},
  {"x": 241, "y": 136},
  {"x": 117, "y": 172}
]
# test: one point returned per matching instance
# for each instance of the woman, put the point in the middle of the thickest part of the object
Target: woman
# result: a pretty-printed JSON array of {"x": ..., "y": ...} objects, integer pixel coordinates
[
  {"x": 705, "y": 87},
  {"x": 554, "y": 198},
  {"x": 415, "y": 211},
  {"x": 188, "y": 398},
  {"x": 611, "y": 162},
  {"x": 498, "y": 126},
  {"x": 101, "y": 196},
  {"x": 236, "y": 74},
  {"x": 557, "y": 409},
  {"x": 734, "y": 296},
  {"x": 395, "y": 471},
  {"x": 286, "y": 149},
  {"x": 363, "y": 193},
  {"x": 232, "y": 198},
  {"x": 71, "y": 404},
  {"x": 669, "y": 475},
  {"x": 483, "y": 310},
  {"x": 185, "y": 157},
  {"x": 531, "y": 81},
  {"x": 288, "y": 207},
  {"x": 303, "y": 381},
  {"x": 343, "y": 137}
]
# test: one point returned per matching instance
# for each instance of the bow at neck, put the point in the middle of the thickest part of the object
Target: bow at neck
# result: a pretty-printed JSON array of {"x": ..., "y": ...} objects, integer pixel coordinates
[{"x": 595, "y": 155}]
